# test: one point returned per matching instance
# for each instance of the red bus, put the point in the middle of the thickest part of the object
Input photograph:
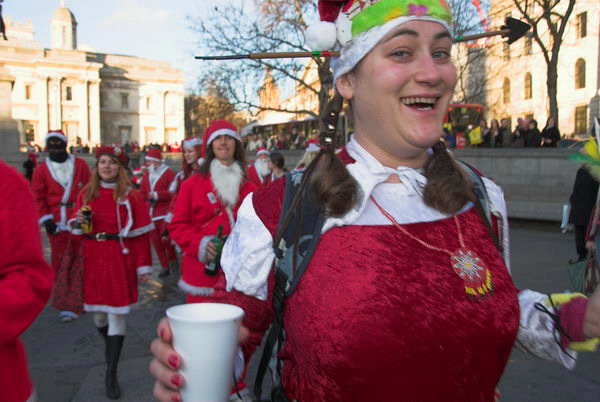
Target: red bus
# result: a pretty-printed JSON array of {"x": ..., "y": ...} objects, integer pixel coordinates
[{"x": 460, "y": 118}]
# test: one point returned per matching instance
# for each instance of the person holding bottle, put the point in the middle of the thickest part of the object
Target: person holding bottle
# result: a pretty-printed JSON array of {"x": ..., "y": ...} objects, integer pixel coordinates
[{"x": 114, "y": 223}]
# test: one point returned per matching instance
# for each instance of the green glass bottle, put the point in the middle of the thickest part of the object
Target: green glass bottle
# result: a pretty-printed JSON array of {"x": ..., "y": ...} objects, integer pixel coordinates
[{"x": 212, "y": 267}]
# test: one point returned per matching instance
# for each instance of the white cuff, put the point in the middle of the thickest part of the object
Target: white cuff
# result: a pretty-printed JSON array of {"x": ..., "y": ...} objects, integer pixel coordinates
[
  {"x": 202, "y": 248},
  {"x": 169, "y": 217},
  {"x": 44, "y": 218},
  {"x": 77, "y": 231},
  {"x": 144, "y": 269},
  {"x": 154, "y": 195}
]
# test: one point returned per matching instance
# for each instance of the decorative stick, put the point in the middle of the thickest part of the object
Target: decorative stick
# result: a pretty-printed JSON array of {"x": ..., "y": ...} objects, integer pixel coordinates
[{"x": 513, "y": 30}]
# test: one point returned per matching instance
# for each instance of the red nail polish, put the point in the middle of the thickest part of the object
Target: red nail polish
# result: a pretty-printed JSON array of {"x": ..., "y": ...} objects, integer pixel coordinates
[
  {"x": 176, "y": 380},
  {"x": 174, "y": 361},
  {"x": 175, "y": 398}
]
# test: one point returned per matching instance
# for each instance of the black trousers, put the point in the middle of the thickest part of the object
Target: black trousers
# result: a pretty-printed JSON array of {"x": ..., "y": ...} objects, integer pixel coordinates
[{"x": 580, "y": 241}]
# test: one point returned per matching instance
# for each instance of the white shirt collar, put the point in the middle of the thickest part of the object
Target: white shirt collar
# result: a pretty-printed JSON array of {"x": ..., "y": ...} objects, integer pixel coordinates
[{"x": 369, "y": 173}]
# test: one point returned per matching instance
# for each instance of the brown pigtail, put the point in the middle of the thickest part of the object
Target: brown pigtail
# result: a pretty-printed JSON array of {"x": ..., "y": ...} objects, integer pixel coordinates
[
  {"x": 447, "y": 189},
  {"x": 334, "y": 188}
]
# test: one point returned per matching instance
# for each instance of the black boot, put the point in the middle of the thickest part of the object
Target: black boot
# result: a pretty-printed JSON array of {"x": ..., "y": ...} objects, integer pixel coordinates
[{"x": 114, "y": 344}]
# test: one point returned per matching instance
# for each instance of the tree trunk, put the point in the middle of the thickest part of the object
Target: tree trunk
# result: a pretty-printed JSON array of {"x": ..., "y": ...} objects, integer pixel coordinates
[{"x": 552, "y": 82}]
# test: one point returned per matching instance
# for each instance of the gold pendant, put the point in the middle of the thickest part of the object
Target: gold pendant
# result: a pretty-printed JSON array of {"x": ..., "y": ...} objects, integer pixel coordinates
[{"x": 476, "y": 276}]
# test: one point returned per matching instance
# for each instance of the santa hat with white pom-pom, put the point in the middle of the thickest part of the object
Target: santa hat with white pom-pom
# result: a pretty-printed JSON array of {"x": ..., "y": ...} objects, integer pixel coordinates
[{"x": 355, "y": 26}]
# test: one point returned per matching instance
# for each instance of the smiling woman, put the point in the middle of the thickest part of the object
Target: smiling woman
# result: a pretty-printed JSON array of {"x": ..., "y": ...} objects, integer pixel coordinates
[{"x": 409, "y": 284}]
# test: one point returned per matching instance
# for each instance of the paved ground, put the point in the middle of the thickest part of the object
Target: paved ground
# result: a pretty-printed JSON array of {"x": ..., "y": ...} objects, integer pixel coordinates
[{"x": 67, "y": 365}]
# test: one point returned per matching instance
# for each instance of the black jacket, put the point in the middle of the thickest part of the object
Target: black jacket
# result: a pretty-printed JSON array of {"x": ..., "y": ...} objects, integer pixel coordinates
[{"x": 583, "y": 197}]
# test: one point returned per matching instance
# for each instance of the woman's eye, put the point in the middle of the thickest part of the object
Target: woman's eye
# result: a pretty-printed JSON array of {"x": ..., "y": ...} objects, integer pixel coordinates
[
  {"x": 441, "y": 54},
  {"x": 401, "y": 53}
]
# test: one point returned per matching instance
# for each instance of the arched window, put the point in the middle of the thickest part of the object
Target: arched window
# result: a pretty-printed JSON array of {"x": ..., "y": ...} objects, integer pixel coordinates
[
  {"x": 580, "y": 74},
  {"x": 528, "y": 89},
  {"x": 506, "y": 91}
]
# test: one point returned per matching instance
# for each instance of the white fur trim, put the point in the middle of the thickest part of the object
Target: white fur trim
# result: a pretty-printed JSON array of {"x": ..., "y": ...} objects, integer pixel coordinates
[
  {"x": 44, "y": 218},
  {"x": 263, "y": 152},
  {"x": 140, "y": 231},
  {"x": 169, "y": 217},
  {"x": 62, "y": 224},
  {"x": 124, "y": 232},
  {"x": 159, "y": 218},
  {"x": 227, "y": 181},
  {"x": 152, "y": 159},
  {"x": 144, "y": 269},
  {"x": 224, "y": 131},
  {"x": 194, "y": 290},
  {"x": 202, "y": 248},
  {"x": 56, "y": 134},
  {"x": 321, "y": 35},
  {"x": 354, "y": 50},
  {"x": 110, "y": 309},
  {"x": 175, "y": 182},
  {"x": 192, "y": 143},
  {"x": 77, "y": 232}
]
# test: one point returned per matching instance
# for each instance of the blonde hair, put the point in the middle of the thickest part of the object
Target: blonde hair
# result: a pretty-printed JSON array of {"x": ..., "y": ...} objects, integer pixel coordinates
[{"x": 91, "y": 190}]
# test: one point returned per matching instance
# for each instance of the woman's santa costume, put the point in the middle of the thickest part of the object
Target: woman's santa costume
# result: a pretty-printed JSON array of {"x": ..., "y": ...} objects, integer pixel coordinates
[
  {"x": 112, "y": 265},
  {"x": 380, "y": 313},
  {"x": 205, "y": 202},
  {"x": 25, "y": 281},
  {"x": 154, "y": 187},
  {"x": 254, "y": 174},
  {"x": 55, "y": 185}
]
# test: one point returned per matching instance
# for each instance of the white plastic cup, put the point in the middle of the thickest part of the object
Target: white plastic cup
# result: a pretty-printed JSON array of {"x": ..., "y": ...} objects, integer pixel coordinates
[{"x": 206, "y": 336}]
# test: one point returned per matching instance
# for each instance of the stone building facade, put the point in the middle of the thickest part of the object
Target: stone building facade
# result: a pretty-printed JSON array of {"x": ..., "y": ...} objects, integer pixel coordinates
[
  {"x": 516, "y": 75},
  {"x": 93, "y": 97}
]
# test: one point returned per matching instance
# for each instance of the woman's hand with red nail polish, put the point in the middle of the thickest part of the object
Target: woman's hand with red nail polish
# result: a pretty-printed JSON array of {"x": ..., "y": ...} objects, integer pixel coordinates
[{"x": 163, "y": 366}]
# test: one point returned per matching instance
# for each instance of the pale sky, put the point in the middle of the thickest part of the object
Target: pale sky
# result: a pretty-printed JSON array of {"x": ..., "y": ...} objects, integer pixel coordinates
[{"x": 145, "y": 28}]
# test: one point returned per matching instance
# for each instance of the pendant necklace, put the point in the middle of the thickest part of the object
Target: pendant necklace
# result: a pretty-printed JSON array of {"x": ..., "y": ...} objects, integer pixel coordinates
[{"x": 465, "y": 263}]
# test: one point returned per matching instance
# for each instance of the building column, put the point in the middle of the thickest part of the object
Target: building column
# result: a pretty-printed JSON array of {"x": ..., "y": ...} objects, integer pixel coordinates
[
  {"x": 94, "y": 113},
  {"x": 84, "y": 119},
  {"x": 55, "y": 95},
  {"x": 161, "y": 134},
  {"x": 43, "y": 128}
]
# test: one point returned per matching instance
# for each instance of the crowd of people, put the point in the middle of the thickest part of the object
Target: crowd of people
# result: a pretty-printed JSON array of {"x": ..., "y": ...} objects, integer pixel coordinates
[
  {"x": 526, "y": 134},
  {"x": 387, "y": 262}
]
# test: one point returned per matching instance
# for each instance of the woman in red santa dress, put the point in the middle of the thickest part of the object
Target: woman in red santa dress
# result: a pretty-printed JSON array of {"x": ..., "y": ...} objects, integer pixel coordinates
[
  {"x": 25, "y": 282},
  {"x": 259, "y": 172},
  {"x": 155, "y": 189},
  {"x": 55, "y": 184},
  {"x": 206, "y": 201},
  {"x": 116, "y": 251},
  {"x": 407, "y": 296}
]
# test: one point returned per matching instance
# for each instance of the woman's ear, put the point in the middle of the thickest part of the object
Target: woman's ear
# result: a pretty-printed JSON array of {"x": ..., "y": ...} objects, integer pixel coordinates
[{"x": 345, "y": 85}]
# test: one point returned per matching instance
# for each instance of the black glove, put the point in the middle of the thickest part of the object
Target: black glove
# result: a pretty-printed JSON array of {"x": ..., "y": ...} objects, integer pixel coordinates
[{"x": 50, "y": 226}]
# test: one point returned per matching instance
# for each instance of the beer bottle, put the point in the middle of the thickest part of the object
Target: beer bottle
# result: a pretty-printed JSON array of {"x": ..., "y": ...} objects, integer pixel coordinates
[{"x": 212, "y": 267}]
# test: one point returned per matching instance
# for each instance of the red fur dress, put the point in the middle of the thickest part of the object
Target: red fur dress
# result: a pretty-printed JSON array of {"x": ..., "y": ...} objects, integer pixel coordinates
[
  {"x": 25, "y": 281},
  {"x": 159, "y": 208},
  {"x": 112, "y": 266},
  {"x": 197, "y": 216},
  {"x": 55, "y": 201}
]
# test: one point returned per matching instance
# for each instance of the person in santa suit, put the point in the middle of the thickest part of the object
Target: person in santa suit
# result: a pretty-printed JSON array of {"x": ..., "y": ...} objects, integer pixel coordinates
[
  {"x": 25, "y": 281},
  {"x": 116, "y": 249},
  {"x": 408, "y": 294},
  {"x": 55, "y": 184},
  {"x": 191, "y": 160},
  {"x": 155, "y": 189},
  {"x": 206, "y": 201},
  {"x": 312, "y": 149},
  {"x": 259, "y": 172}
]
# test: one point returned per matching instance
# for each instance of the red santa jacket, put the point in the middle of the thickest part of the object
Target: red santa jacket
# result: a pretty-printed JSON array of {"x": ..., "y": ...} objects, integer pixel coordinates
[
  {"x": 256, "y": 178},
  {"x": 25, "y": 281},
  {"x": 198, "y": 213},
  {"x": 160, "y": 207},
  {"x": 55, "y": 201}
]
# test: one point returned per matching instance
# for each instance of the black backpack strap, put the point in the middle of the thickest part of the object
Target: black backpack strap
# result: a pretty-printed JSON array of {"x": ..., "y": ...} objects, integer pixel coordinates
[
  {"x": 482, "y": 201},
  {"x": 298, "y": 243}
]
